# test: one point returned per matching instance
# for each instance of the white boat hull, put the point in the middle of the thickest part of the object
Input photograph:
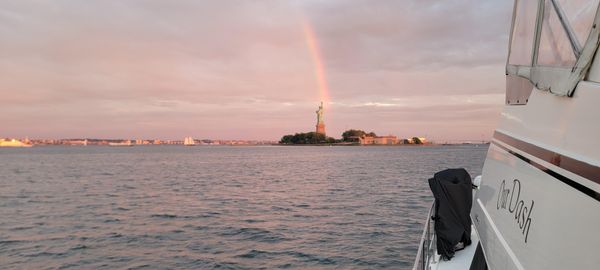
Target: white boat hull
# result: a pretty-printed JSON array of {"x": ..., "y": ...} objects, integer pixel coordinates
[{"x": 537, "y": 207}]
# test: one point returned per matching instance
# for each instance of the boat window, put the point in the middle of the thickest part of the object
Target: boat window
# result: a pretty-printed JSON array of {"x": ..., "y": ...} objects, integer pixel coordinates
[
  {"x": 560, "y": 36},
  {"x": 580, "y": 15},
  {"x": 555, "y": 47},
  {"x": 521, "y": 46}
]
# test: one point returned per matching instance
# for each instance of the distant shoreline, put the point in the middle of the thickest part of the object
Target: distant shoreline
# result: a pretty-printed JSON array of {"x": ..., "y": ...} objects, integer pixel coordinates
[
  {"x": 380, "y": 145},
  {"x": 251, "y": 145}
]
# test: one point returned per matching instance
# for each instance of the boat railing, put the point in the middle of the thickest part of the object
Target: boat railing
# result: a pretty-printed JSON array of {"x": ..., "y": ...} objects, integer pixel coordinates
[{"x": 427, "y": 246}]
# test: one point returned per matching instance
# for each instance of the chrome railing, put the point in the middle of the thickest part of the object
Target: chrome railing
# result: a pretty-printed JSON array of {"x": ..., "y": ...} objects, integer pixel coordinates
[{"x": 426, "y": 252}]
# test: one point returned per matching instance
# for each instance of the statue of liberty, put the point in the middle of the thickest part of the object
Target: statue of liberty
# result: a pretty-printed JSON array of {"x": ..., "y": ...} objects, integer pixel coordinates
[
  {"x": 320, "y": 114},
  {"x": 320, "y": 123}
]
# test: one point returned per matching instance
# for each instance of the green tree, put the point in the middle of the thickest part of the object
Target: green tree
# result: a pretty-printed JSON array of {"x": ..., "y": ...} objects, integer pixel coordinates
[
  {"x": 346, "y": 136},
  {"x": 350, "y": 134},
  {"x": 330, "y": 140},
  {"x": 306, "y": 138},
  {"x": 416, "y": 140},
  {"x": 287, "y": 139}
]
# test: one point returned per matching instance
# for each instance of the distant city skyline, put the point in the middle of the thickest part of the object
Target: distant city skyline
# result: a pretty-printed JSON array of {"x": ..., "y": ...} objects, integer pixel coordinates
[{"x": 240, "y": 70}]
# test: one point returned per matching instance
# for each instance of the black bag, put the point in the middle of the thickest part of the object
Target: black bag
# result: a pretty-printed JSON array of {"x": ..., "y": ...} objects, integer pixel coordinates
[{"x": 452, "y": 190}]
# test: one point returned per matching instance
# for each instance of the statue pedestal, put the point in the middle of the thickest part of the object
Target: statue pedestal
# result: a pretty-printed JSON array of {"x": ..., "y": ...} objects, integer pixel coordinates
[{"x": 321, "y": 128}]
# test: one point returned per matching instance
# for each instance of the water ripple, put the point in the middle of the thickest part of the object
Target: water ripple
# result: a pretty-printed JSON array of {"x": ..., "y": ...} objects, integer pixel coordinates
[{"x": 169, "y": 207}]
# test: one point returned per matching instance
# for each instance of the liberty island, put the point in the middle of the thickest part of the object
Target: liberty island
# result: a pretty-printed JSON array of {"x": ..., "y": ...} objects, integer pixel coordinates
[{"x": 349, "y": 137}]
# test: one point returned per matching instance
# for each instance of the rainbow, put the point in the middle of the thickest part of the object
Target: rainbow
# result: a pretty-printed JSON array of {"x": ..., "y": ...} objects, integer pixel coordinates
[{"x": 315, "y": 53}]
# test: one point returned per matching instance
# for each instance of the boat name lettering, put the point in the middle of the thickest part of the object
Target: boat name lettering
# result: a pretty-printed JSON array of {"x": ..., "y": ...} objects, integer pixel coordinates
[{"x": 510, "y": 199}]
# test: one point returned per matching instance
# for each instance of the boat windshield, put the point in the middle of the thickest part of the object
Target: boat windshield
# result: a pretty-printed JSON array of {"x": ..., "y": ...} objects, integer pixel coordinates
[
  {"x": 553, "y": 42},
  {"x": 523, "y": 33}
]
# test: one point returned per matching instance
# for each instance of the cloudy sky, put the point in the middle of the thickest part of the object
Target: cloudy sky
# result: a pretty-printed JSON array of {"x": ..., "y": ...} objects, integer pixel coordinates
[{"x": 244, "y": 70}]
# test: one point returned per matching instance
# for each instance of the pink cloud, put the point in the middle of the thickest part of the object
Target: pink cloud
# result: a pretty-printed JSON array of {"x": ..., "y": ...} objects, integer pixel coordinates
[{"x": 237, "y": 69}]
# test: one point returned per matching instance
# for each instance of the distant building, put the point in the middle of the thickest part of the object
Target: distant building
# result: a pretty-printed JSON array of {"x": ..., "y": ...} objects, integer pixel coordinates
[
  {"x": 76, "y": 142},
  {"x": 378, "y": 140},
  {"x": 390, "y": 139},
  {"x": 13, "y": 143},
  {"x": 404, "y": 141}
]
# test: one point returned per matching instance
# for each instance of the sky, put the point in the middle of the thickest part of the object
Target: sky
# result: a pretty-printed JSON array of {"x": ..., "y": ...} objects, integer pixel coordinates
[{"x": 251, "y": 69}]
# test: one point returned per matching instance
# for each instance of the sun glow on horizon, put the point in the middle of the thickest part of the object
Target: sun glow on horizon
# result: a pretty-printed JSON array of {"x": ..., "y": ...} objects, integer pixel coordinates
[{"x": 315, "y": 53}]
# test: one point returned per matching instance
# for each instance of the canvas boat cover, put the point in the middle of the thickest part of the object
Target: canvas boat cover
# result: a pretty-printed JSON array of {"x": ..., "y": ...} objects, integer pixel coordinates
[{"x": 452, "y": 190}]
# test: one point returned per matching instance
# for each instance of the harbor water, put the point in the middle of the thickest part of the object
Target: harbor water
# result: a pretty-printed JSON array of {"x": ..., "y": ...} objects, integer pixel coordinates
[{"x": 218, "y": 207}]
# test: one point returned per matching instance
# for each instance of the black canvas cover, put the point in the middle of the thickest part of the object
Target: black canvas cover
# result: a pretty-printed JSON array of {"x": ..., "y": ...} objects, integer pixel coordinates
[{"x": 452, "y": 190}]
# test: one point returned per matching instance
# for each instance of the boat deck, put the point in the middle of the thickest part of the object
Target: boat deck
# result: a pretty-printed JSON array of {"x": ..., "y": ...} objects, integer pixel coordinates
[{"x": 462, "y": 259}]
